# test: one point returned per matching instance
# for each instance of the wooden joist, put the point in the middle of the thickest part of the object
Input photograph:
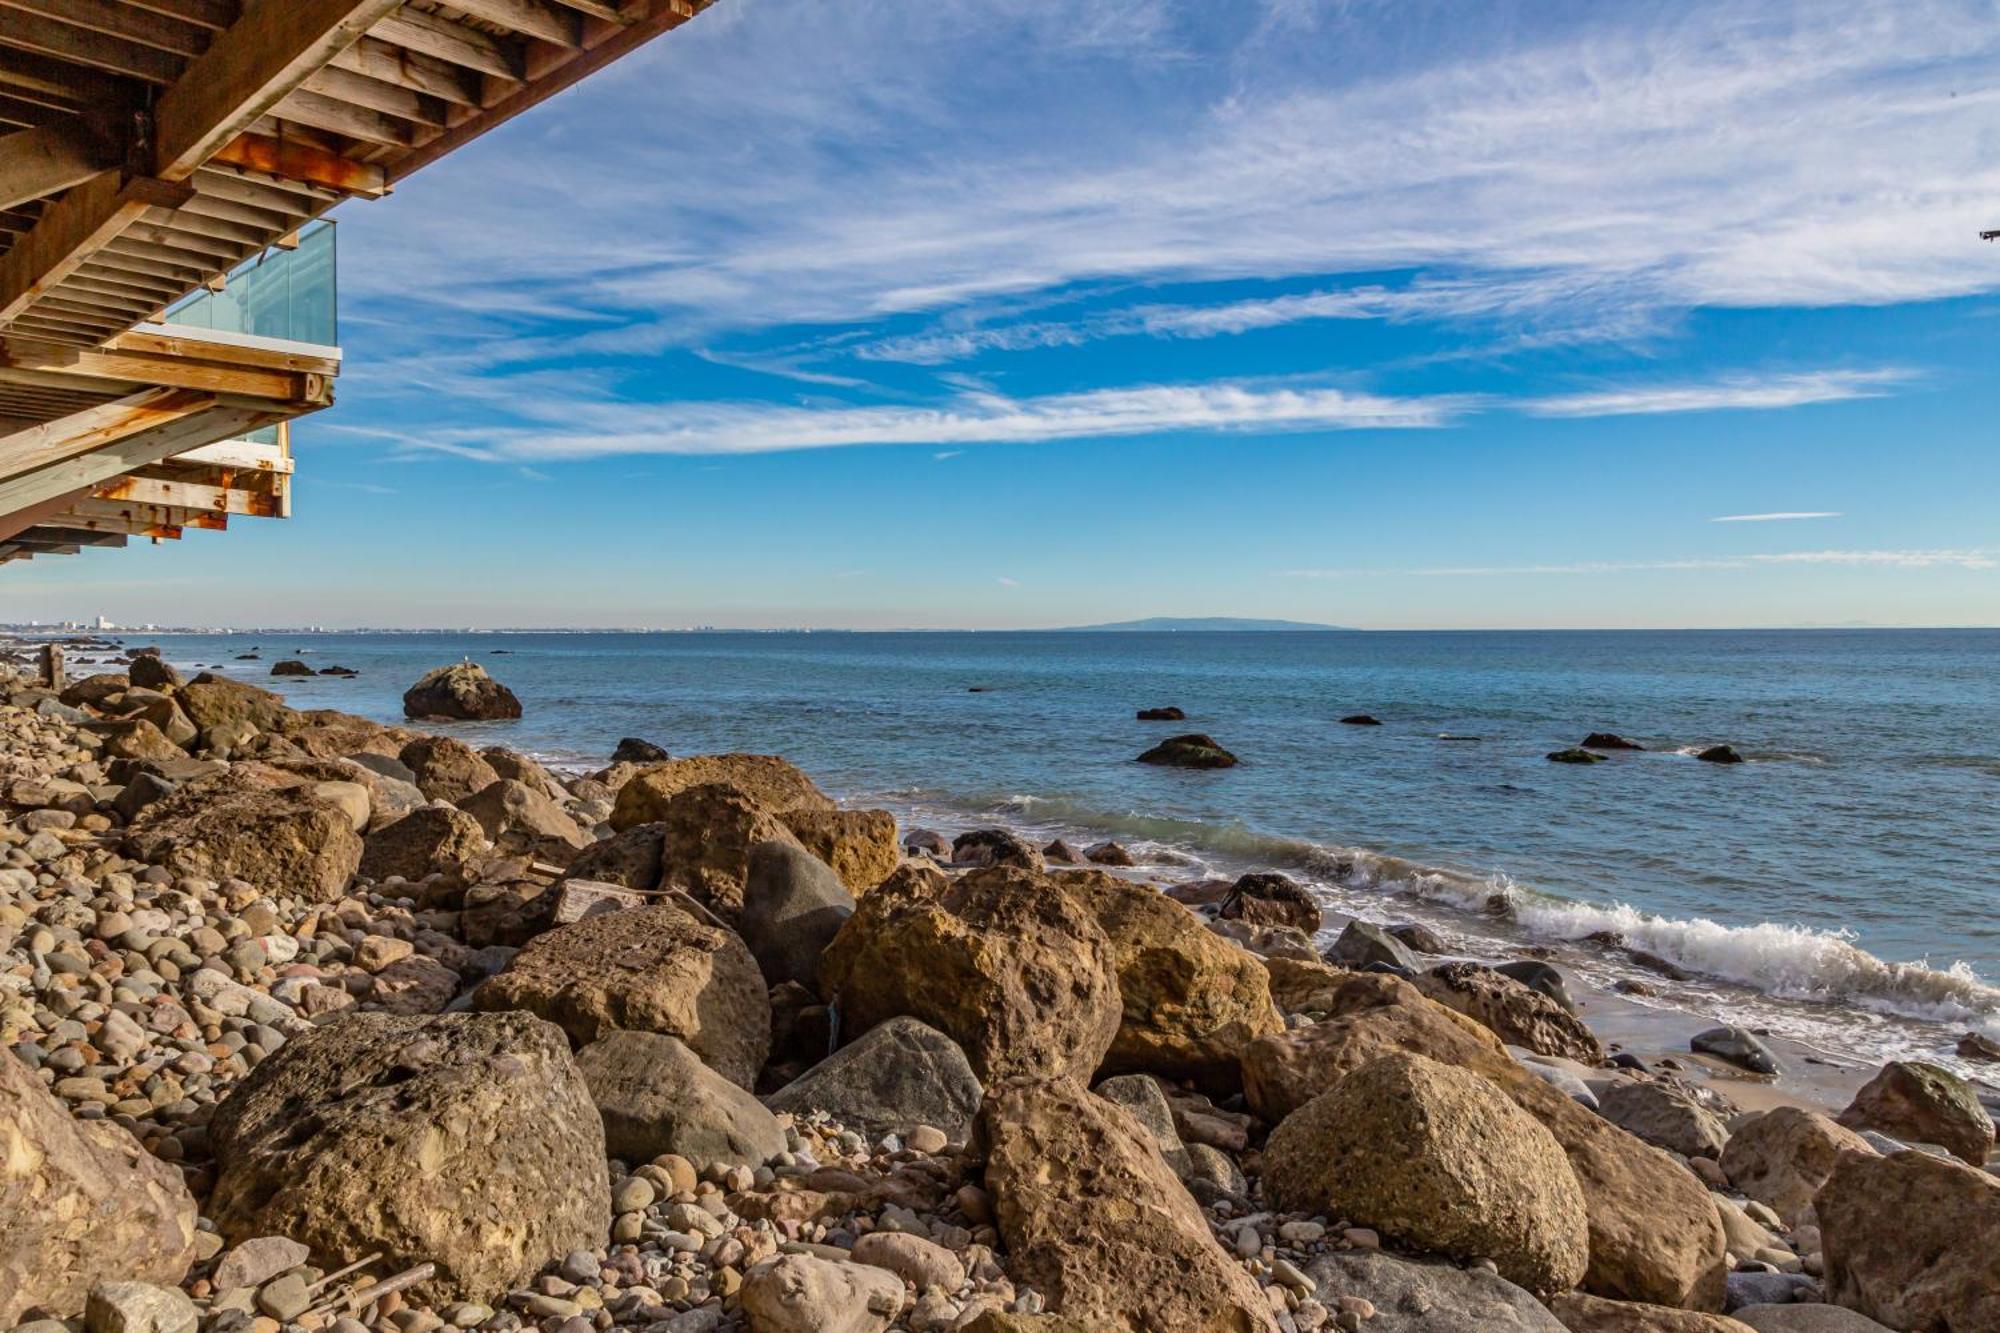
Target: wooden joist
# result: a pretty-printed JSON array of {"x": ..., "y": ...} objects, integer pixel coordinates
[
  {"x": 115, "y": 457},
  {"x": 36, "y": 447},
  {"x": 72, "y": 229},
  {"x": 50, "y": 158},
  {"x": 190, "y": 497},
  {"x": 141, "y": 361}
]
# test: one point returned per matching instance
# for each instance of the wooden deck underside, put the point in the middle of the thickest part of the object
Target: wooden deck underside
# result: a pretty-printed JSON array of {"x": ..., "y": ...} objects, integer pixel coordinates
[{"x": 148, "y": 147}]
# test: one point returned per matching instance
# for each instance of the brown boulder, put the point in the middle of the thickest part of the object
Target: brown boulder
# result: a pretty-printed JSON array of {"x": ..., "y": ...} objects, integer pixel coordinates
[
  {"x": 630, "y": 858},
  {"x": 135, "y": 738},
  {"x": 765, "y": 778},
  {"x": 1580, "y": 1313},
  {"x": 1781, "y": 1158},
  {"x": 1008, "y": 963},
  {"x": 462, "y": 691},
  {"x": 1190, "y": 1001},
  {"x": 1298, "y": 985},
  {"x": 1518, "y": 1015},
  {"x": 707, "y": 832},
  {"x": 80, "y": 1202},
  {"x": 860, "y": 845},
  {"x": 1654, "y": 1235},
  {"x": 1095, "y": 1219},
  {"x": 1921, "y": 1103},
  {"x": 210, "y": 700},
  {"x": 1267, "y": 898},
  {"x": 447, "y": 769},
  {"x": 435, "y": 839},
  {"x": 1909, "y": 1240},
  {"x": 1471, "y": 1174},
  {"x": 285, "y": 841},
  {"x": 522, "y": 821},
  {"x": 466, "y": 1140},
  {"x": 645, "y": 969}
]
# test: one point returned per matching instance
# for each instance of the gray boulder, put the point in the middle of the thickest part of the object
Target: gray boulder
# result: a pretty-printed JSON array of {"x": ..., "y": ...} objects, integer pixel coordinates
[
  {"x": 1361, "y": 945},
  {"x": 1736, "y": 1046},
  {"x": 656, "y": 1096},
  {"x": 1809, "y": 1318},
  {"x": 793, "y": 906},
  {"x": 1412, "y": 1296},
  {"x": 894, "y": 1077},
  {"x": 1666, "y": 1117}
]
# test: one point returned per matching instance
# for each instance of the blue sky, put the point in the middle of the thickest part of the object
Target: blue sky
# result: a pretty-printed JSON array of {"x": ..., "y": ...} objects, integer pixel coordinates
[{"x": 942, "y": 312}]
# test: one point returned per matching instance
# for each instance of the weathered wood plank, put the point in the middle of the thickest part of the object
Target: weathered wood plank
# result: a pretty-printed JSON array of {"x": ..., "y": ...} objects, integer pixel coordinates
[{"x": 44, "y": 161}]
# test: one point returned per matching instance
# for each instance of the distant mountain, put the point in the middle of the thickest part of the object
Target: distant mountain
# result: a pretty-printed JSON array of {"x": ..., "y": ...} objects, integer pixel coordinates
[{"x": 1194, "y": 625}]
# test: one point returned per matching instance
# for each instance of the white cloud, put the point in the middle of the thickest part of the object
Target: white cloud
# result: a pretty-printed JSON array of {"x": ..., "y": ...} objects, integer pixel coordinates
[
  {"x": 1782, "y": 516},
  {"x": 1733, "y": 392},
  {"x": 596, "y": 430},
  {"x": 1965, "y": 559},
  {"x": 1006, "y": 582}
]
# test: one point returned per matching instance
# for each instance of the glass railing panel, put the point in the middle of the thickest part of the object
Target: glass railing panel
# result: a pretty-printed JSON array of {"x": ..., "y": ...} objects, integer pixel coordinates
[{"x": 288, "y": 294}]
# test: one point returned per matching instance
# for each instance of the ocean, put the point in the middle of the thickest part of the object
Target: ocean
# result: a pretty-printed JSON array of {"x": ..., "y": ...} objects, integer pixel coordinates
[{"x": 1842, "y": 887}]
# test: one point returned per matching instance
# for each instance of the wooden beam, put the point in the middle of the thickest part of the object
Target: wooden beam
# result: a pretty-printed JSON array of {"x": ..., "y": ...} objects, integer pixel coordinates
[
  {"x": 82, "y": 470},
  {"x": 158, "y": 31},
  {"x": 301, "y": 162},
  {"x": 188, "y": 496},
  {"x": 454, "y": 43},
  {"x": 87, "y": 366},
  {"x": 403, "y": 68},
  {"x": 249, "y": 69},
  {"x": 663, "y": 16},
  {"x": 95, "y": 427},
  {"x": 73, "y": 228},
  {"x": 42, "y": 35},
  {"x": 530, "y": 18},
  {"x": 306, "y": 107},
  {"x": 192, "y": 346},
  {"x": 238, "y": 455},
  {"x": 44, "y": 161},
  {"x": 57, "y": 84}
]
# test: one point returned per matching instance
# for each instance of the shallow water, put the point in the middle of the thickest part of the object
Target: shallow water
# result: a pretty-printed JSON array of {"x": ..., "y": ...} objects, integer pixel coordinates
[{"x": 1862, "y": 834}]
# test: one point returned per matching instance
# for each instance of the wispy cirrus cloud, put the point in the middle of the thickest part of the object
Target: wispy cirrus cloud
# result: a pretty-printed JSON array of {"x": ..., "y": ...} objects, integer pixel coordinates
[
  {"x": 1733, "y": 392},
  {"x": 1970, "y": 559},
  {"x": 1781, "y": 516}
]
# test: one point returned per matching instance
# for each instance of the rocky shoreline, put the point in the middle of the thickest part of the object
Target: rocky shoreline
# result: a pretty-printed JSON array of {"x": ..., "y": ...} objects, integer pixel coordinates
[{"x": 320, "y": 1024}]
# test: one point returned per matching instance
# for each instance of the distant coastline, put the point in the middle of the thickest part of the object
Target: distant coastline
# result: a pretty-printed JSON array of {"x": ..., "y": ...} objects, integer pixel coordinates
[{"x": 1197, "y": 625}]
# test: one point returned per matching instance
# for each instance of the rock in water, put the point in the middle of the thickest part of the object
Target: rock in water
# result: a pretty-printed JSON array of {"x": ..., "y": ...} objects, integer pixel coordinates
[
  {"x": 1190, "y": 1001},
  {"x": 995, "y": 847},
  {"x": 462, "y": 692},
  {"x": 801, "y": 1293},
  {"x": 1094, "y": 1218},
  {"x": 286, "y": 842},
  {"x": 291, "y": 667},
  {"x": 1520, "y": 1016},
  {"x": 1266, "y": 898},
  {"x": 1193, "y": 750},
  {"x": 1167, "y": 714},
  {"x": 1737, "y": 1046},
  {"x": 896, "y": 1076},
  {"x": 657, "y": 1097},
  {"x": 632, "y": 750},
  {"x": 645, "y": 969},
  {"x": 1921, "y": 1103},
  {"x": 1781, "y": 1158},
  {"x": 1008, "y": 963},
  {"x": 1609, "y": 740},
  {"x": 1360, "y": 720},
  {"x": 1719, "y": 754},
  {"x": 1909, "y": 1241},
  {"x": 1532, "y": 973},
  {"x": 80, "y": 1202},
  {"x": 1575, "y": 755},
  {"x": 1361, "y": 945},
  {"x": 1428, "y": 1296},
  {"x": 469, "y": 1140},
  {"x": 1472, "y": 1175},
  {"x": 793, "y": 906}
]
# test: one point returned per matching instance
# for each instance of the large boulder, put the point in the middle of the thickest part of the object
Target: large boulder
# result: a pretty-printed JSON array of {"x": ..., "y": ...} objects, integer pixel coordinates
[
  {"x": 285, "y": 841},
  {"x": 434, "y": 839},
  {"x": 1363, "y": 944},
  {"x": 1428, "y": 1296},
  {"x": 1194, "y": 750},
  {"x": 803, "y": 1293},
  {"x": 1582, "y": 1313},
  {"x": 1095, "y": 1219},
  {"x": 1816, "y": 1317},
  {"x": 1008, "y": 963},
  {"x": 461, "y": 692},
  {"x": 134, "y": 738},
  {"x": 860, "y": 845},
  {"x": 793, "y": 906},
  {"x": 1191, "y": 1002},
  {"x": 1654, "y": 1236},
  {"x": 1665, "y": 1116},
  {"x": 1518, "y": 1015},
  {"x": 896, "y": 1076},
  {"x": 995, "y": 847},
  {"x": 1266, "y": 898},
  {"x": 446, "y": 768},
  {"x": 149, "y": 671},
  {"x": 465, "y": 1140},
  {"x": 645, "y": 969},
  {"x": 1909, "y": 1240},
  {"x": 630, "y": 858},
  {"x": 766, "y": 779},
  {"x": 707, "y": 832},
  {"x": 657, "y": 1097},
  {"x": 1921, "y": 1103},
  {"x": 522, "y": 821},
  {"x": 1781, "y": 1158},
  {"x": 80, "y": 1202},
  {"x": 211, "y": 701},
  {"x": 1471, "y": 1176}
]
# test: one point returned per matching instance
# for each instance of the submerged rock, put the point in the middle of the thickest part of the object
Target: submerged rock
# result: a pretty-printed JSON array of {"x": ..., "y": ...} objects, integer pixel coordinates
[
  {"x": 1575, "y": 755},
  {"x": 1167, "y": 714},
  {"x": 1608, "y": 740},
  {"x": 1194, "y": 750},
  {"x": 1360, "y": 720},
  {"x": 291, "y": 667},
  {"x": 1719, "y": 754}
]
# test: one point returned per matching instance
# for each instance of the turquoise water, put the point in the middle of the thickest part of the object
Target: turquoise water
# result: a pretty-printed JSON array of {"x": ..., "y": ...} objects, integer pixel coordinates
[{"x": 1863, "y": 833}]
